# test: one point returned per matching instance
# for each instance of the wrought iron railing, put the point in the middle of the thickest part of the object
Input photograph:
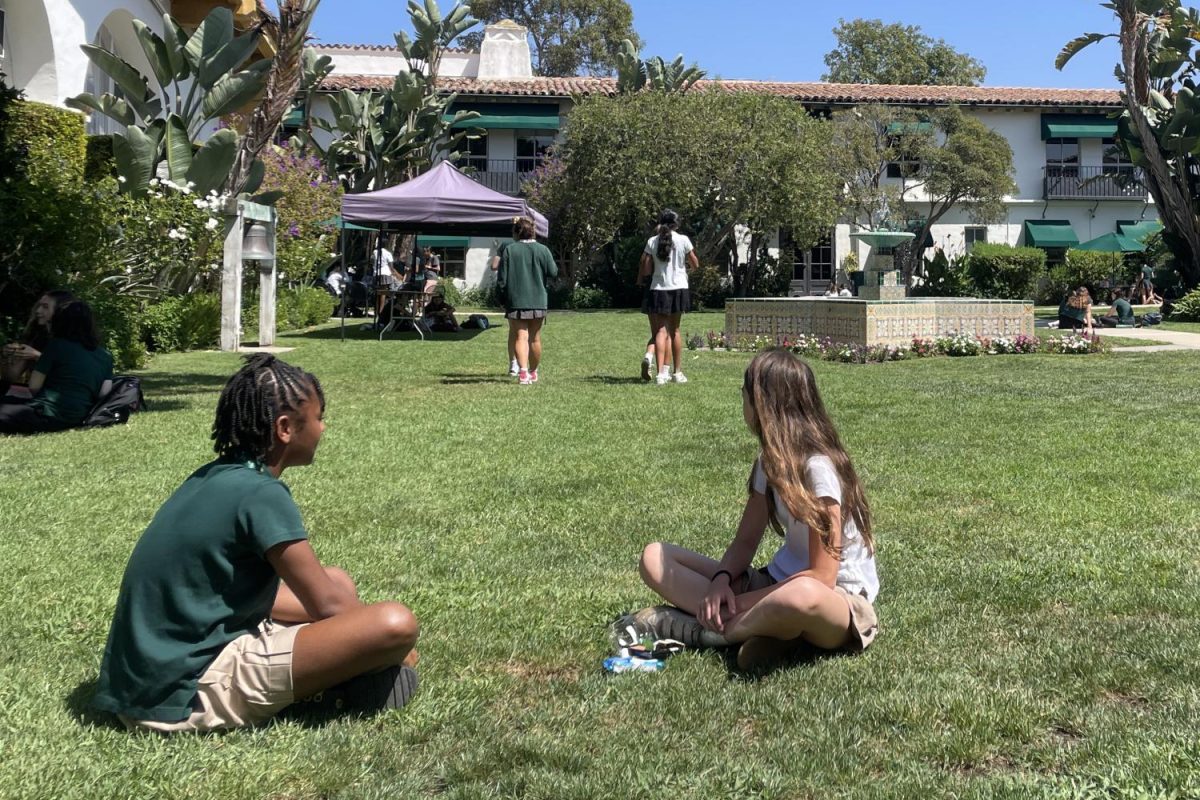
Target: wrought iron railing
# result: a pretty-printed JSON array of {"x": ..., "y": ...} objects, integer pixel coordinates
[
  {"x": 501, "y": 174},
  {"x": 1067, "y": 182}
]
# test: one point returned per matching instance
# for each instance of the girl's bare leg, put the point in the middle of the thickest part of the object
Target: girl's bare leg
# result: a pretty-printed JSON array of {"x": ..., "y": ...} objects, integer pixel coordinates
[
  {"x": 662, "y": 342},
  {"x": 512, "y": 340},
  {"x": 522, "y": 346},
  {"x": 676, "y": 339},
  {"x": 677, "y": 574},
  {"x": 535, "y": 343}
]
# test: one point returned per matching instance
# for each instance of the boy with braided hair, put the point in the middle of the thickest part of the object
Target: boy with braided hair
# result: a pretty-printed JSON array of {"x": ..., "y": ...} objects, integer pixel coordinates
[{"x": 204, "y": 635}]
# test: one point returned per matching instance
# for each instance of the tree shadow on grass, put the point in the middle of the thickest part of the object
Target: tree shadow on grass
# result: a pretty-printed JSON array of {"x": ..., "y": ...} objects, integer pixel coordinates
[
  {"x": 180, "y": 383},
  {"x": 354, "y": 332},
  {"x": 79, "y": 705},
  {"x": 615, "y": 380},
  {"x": 457, "y": 378}
]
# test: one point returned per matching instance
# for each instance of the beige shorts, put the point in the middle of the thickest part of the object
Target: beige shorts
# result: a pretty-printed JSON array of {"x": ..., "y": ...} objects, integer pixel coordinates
[
  {"x": 248, "y": 682},
  {"x": 864, "y": 625}
]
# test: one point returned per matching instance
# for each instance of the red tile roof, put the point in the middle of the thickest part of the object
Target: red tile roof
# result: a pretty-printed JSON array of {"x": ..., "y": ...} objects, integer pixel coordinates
[
  {"x": 834, "y": 93},
  {"x": 374, "y": 48}
]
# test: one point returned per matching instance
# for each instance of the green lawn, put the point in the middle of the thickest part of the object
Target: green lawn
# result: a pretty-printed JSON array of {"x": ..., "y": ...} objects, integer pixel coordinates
[{"x": 1036, "y": 519}]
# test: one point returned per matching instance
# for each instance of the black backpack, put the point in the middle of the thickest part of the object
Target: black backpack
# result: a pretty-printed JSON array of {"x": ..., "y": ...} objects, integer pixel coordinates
[
  {"x": 476, "y": 322},
  {"x": 114, "y": 408}
]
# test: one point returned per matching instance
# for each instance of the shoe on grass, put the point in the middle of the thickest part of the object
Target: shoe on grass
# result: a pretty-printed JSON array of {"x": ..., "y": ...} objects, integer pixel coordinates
[
  {"x": 664, "y": 377},
  {"x": 533, "y": 376},
  {"x": 524, "y": 378},
  {"x": 514, "y": 368},
  {"x": 679, "y": 377},
  {"x": 647, "y": 367},
  {"x": 668, "y": 622},
  {"x": 366, "y": 694}
]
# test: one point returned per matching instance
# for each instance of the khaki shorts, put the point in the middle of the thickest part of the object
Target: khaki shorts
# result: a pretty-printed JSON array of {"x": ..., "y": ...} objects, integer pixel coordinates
[
  {"x": 248, "y": 682},
  {"x": 864, "y": 625}
]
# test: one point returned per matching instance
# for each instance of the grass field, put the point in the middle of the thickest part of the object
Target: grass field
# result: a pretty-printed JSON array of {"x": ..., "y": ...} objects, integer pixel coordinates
[{"x": 1037, "y": 520}]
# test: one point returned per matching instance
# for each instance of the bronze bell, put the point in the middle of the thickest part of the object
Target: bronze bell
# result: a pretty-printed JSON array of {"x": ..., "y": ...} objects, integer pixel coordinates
[{"x": 256, "y": 243}]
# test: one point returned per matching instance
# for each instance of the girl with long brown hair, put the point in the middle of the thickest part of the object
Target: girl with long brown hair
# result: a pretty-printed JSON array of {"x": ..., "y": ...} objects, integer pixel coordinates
[{"x": 819, "y": 586}]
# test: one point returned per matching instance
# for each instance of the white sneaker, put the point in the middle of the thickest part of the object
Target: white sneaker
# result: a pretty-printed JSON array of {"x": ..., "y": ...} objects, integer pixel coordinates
[
  {"x": 663, "y": 378},
  {"x": 679, "y": 377},
  {"x": 514, "y": 368}
]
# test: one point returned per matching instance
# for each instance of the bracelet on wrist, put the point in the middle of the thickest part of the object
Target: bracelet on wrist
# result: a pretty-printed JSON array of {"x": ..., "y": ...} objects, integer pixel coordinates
[{"x": 724, "y": 572}]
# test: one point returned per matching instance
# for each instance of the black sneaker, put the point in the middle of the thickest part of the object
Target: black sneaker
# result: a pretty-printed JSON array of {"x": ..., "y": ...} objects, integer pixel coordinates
[{"x": 366, "y": 694}]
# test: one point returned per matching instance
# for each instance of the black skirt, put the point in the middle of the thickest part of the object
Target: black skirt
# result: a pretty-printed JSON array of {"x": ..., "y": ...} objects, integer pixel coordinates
[{"x": 667, "y": 301}]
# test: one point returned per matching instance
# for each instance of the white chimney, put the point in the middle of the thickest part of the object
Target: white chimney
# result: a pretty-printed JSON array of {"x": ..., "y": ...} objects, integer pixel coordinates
[{"x": 504, "y": 54}]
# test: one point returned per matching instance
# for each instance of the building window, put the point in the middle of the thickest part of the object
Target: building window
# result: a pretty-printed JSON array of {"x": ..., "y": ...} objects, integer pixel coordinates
[
  {"x": 1062, "y": 158},
  {"x": 974, "y": 236},
  {"x": 532, "y": 147},
  {"x": 99, "y": 83},
  {"x": 473, "y": 152},
  {"x": 906, "y": 165},
  {"x": 1116, "y": 160},
  {"x": 454, "y": 261}
]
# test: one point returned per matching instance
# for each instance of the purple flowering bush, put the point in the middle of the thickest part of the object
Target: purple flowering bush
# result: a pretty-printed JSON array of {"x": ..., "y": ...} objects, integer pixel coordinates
[{"x": 310, "y": 197}]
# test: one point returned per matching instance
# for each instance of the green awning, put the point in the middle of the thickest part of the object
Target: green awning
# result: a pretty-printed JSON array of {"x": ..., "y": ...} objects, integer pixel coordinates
[
  {"x": 516, "y": 116},
  {"x": 1078, "y": 126},
  {"x": 338, "y": 222},
  {"x": 909, "y": 127},
  {"x": 294, "y": 118},
  {"x": 443, "y": 241},
  {"x": 1049, "y": 233},
  {"x": 1139, "y": 231}
]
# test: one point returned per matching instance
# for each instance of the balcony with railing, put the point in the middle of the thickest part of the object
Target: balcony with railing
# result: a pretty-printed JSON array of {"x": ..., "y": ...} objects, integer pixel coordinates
[
  {"x": 1069, "y": 182},
  {"x": 500, "y": 174}
]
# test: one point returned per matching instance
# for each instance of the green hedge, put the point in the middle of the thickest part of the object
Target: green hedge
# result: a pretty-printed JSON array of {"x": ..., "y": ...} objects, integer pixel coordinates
[
  {"x": 190, "y": 322},
  {"x": 1083, "y": 268},
  {"x": 1005, "y": 273},
  {"x": 50, "y": 143},
  {"x": 99, "y": 163}
]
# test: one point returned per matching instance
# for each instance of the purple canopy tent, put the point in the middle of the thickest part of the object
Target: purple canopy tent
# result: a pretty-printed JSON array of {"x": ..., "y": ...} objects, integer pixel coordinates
[{"x": 441, "y": 201}]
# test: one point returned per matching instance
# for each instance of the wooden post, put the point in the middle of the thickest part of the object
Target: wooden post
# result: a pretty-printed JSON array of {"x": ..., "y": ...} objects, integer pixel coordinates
[
  {"x": 267, "y": 275},
  {"x": 231, "y": 281}
]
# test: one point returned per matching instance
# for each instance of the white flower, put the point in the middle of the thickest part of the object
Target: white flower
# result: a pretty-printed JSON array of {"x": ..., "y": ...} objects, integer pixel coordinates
[
  {"x": 211, "y": 224},
  {"x": 199, "y": 204},
  {"x": 154, "y": 181},
  {"x": 173, "y": 234},
  {"x": 120, "y": 179},
  {"x": 147, "y": 219},
  {"x": 191, "y": 184}
]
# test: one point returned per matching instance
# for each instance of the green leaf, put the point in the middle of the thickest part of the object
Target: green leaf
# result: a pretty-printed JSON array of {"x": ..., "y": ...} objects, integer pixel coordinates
[
  {"x": 1075, "y": 45},
  {"x": 211, "y": 164},
  {"x": 175, "y": 41},
  {"x": 111, "y": 107},
  {"x": 135, "y": 154},
  {"x": 210, "y": 35},
  {"x": 227, "y": 59},
  {"x": 254, "y": 178},
  {"x": 156, "y": 52},
  {"x": 179, "y": 148},
  {"x": 132, "y": 82},
  {"x": 233, "y": 91}
]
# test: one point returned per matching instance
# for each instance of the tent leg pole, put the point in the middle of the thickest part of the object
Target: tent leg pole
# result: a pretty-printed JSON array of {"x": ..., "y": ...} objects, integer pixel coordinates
[{"x": 346, "y": 272}]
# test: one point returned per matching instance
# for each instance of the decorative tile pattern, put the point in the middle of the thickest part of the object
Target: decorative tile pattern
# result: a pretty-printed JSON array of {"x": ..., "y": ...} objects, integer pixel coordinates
[{"x": 876, "y": 322}]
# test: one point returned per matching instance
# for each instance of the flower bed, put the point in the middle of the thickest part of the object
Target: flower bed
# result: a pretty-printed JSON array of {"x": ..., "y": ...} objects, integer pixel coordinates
[{"x": 954, "y": 345}]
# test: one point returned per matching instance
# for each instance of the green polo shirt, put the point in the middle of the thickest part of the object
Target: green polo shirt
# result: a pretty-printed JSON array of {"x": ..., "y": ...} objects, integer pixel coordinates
[
  {"x": 74, "y": 375},
  {"x": 524, "y": 269},
  {"x": 1124, "y": 311},
  {"x": 197, "y": 579}
]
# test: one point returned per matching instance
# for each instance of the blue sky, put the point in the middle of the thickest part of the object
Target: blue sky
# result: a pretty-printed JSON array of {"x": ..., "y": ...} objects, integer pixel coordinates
[{"x": 786, "y": 40}]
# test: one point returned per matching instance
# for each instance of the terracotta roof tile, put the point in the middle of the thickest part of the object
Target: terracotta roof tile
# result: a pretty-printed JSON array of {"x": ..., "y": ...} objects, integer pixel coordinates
[
  {"x": 373, "y": 48},
  {"x": 835, "y": 93}
]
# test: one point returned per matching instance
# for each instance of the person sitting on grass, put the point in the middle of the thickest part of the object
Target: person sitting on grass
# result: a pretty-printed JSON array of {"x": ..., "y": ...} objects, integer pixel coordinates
[
  {"x": 1075, "y": 311},
  {"x": 205, "y": 636},
  {"x": 819, "y": 587},
  {"x": 70, "y": 375},
  {"x": 1121, "y": 313},
  {"x": 17, "y": 358},
  {"x": 439, "y": 314}
]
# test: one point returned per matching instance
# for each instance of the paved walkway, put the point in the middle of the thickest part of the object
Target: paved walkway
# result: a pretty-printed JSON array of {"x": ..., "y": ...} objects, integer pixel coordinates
[{"x": 1167, "y": 340}]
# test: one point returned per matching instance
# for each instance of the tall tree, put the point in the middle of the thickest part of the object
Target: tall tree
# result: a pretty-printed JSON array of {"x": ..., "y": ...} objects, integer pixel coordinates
[
  {"x": 869, "y": 51},
  {"x": 946, "y": 160},
  {"x": 568, "y": 37},
  {"x": 719, "y": 158},
  {"x": 1160, "y": 126}
]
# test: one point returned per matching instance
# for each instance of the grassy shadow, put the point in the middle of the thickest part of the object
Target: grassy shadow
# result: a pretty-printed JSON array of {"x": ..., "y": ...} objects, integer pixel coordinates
[
  {"x": 453, "y": 378},
  {"x": 615, "y": 380},
  {"x": 180, "y": 383},
  {"x": 354, "y": 332},
  {"x": 79, "y": 705}
]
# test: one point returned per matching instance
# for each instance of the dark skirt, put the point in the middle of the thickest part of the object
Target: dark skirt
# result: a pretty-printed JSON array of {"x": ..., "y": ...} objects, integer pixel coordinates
[
  {"x": 667, "y": 301},
  {"x": 526, "y": 313}
]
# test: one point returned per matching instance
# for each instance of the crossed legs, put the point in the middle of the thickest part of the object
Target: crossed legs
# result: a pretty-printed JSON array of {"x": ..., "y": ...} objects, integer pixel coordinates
[
  {"x": 799, "y": 607},
  {"x": 334, "y": 650}
]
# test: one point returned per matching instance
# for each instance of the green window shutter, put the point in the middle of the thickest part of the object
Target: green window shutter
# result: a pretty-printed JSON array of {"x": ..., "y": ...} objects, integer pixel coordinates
[
  {"x": 513, "y": 116},
  {"x": 1049, "y": 233},
  {"x": 1078, "y": 126}
]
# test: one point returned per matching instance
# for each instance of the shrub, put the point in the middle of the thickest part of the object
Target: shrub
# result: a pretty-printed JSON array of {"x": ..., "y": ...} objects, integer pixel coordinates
[
  {"x": 1002, "y": 272},
  {"x": 1019, "y": 344},
  {"x": 100, "y": 163},
  {"x": 118, "y": 317},
  {"x": 189, "y": 322},
  {"x": 1082, "y": 268},
  {"x": 160, "y": 325},
  {"x": 945, "y": 278},
  {"x": 482, "y": 297},
  {"x": 1187, "y": 308},
  {"x": 585, "y": 297},
  {"x": 311, "y": 196},
  {"x": 694, "y": 342},
  {"x": 302, "y": 307},
  {"x": 450, "y": 292},
  {"x": 959, "y": 344},
  {"x": 1074, "y": 344},
  {"x": 707, "y": 288}
]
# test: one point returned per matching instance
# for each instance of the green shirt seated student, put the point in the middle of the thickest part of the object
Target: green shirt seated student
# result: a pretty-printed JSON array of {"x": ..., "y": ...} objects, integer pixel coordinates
[
  {"x": 1121, "y": 313},
  {"x": 225, "y": 616}
]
